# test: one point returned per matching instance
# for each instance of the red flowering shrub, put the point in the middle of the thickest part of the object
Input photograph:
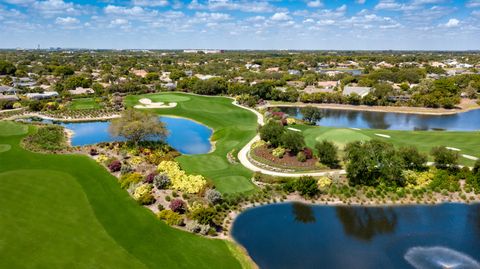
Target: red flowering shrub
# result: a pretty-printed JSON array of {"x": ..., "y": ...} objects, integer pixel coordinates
[
  {"x": 93, "y": 152},
  {"x": 115, "y": 166},
  {"x": 308, "y": 153},
  {"x": 178, "y": 205},
  {"x": 149, "y": 178}
]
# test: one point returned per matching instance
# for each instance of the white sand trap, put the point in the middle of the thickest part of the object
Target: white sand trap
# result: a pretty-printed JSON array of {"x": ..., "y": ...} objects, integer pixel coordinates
[
  {"x": 383, "y": 135},
  {"x": 147, "y": 103},
  {"x": 356, "y": 129},
  {"x": 470, "y": 157},
  {"x": 293, "y": 129},
  {"x": 454, "y": 149}
]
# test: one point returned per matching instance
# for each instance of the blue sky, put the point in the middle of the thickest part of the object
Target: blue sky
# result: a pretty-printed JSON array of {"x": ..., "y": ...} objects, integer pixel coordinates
[{"x": 240, "y": 24}]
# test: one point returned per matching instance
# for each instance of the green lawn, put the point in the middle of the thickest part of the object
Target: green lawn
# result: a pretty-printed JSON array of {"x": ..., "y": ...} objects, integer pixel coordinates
[
  {"x": 66, "y": 211},
  {"x": 84, "y": 103},
  {"x": 467, "y": 142},
  {"x": 233, "y": 128}
]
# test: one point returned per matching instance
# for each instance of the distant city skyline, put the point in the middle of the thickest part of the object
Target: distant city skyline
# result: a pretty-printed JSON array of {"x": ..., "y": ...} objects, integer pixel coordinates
[{"x": 237, "y": 25}]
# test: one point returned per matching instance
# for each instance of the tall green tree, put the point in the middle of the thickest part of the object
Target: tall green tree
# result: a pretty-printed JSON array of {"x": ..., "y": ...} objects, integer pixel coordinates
[{"x": 138, "y": 126}]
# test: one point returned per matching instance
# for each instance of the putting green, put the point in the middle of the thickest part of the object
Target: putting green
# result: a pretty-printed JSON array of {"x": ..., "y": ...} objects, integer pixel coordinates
[
  {"x": 5, "y": 147},
  {"x": 8, "y": 128},
  {"x": 342, "y": 137},
  {"x": 168, "y": 98}
]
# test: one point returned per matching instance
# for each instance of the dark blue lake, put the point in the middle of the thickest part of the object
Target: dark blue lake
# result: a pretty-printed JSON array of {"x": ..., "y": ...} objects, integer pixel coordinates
[
  {"x": 294, "y": 235},
  {"x": 186, "y": 136},
  {"x": 466, "y": 121}
]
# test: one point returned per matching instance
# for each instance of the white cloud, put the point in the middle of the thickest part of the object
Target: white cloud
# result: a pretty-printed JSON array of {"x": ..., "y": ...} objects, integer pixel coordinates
[
  {"x": 342, "y": 8},
  {"x": 452, "y": 23},
  {"x": 280, "y": 16},
  {"x": 66, "y": 21},
  {"x": 473, "y": 3},
  {"x": 476, "y": 13},
  {"x": 361, "y": 2},
  {"x": 388, "y": 5},
  {"x": 19, "y": 2},
  {"x": 150, "y": 3},
  {"x": 316, "y": 3},
  {"x": 118, "y": 22},
  {"x": 54, "y": 7},
  {"x": 242, "y": 5}
]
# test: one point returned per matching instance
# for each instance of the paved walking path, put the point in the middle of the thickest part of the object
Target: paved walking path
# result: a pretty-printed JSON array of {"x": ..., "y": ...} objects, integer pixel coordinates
[{"x": 244, "y": 160}]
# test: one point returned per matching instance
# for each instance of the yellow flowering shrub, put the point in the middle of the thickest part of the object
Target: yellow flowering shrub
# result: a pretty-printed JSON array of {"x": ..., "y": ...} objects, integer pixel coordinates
[
  {"x": 141, "y": 190},
  {"x": 418, "y": 180},
  {"x": 131, "y": 178},
  {"x": 180, "y": 180},
  {"x": 324, "y": 182},
  {"x": 136, "y": 160},
  {"x": 291, "y": 121},
  {"x": 102, "y": 158},
  {"x": 258, "y": 144}
]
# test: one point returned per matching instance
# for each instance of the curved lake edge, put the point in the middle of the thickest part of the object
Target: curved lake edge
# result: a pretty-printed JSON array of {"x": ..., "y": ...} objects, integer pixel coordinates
[
  {"x": 71, "y": 133},
  {"x": 291, "y": 199},
  {"x": 240, "y": 240},
  {"x": 381, "y": 109}
]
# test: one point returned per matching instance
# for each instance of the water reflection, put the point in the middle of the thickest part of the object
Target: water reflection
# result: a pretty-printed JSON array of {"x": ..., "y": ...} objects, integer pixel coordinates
[
  {"x": 303, "y": 213},
  {"x": 366, "y": 222},
  {"x": 466, "y": 121}
]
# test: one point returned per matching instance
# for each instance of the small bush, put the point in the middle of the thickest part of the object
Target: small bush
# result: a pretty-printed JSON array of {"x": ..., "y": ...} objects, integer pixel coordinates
[
  {"x": 178, "y": 205},
  {"x": 308, "y": 153},
  {"x": 115, "y": 166},
  {"x": 213, "y": 196},
  {"x": 130, "y": 178},
  {"x": 125, "y": 169},
  {"x": 150, "y": 177},
  {"x": 301, "y": 157},
  {"x": 161, "y": 181},
  {"x": 143, "y": 194},
  {"x": 204, "y": 215},
  {"x": 170, "y": 217},
  {"x": 196, "y": 227},
  {"x": 278, "y": 152}
]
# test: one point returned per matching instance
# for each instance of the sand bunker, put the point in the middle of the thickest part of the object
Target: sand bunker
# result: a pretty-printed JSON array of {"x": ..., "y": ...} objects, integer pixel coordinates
[
  {"x": 147, "y": 103},
  {"x": 383, "y": 135}
]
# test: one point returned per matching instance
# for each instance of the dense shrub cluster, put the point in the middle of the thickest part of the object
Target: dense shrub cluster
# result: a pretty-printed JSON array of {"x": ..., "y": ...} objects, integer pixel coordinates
[{"x": 180, "y": 180}]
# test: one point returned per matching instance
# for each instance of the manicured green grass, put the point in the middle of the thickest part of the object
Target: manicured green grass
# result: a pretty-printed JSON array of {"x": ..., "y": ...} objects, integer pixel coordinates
[
  {"x": 467, "y": 142},
  {"x": 233, "y": 128},
  {"x": 84, "y": 103},
  {"x": 66, "y": 211}
]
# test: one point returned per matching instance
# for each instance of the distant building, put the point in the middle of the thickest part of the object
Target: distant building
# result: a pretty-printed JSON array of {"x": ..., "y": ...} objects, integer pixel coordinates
[
  {"x": 205, "y": 77},
  {"x": 8, "y": 90},
  {"x": 23, "y": 82},
  {"x": 81, "y": 90},
  {"x": 170, "y": 86},
  {"x": 294, "y": 72},
  {"x": 328, "y": 84},
  {"x": 312, "y": 89},
  {"x": 8, "y": 97},
  {"x": 361, "y": 91},
  {"x": 140, "y": 73},
  {"x": 206, "y": 51},
  {"x": 44, "y": 95}
]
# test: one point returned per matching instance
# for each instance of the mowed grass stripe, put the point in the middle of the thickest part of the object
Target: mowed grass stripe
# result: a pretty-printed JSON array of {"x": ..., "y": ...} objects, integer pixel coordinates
[{"x": 129, "y": 226}]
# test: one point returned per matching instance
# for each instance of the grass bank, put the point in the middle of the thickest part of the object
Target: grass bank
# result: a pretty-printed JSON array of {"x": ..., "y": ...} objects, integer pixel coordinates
[
  {"x": 61, "y": 211},
  {"x": 233, "y": 128}
]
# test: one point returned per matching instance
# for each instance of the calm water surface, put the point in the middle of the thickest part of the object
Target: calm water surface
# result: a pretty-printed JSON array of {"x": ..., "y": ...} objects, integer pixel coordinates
[
  {"x": 186, "y": 136},
  {"x": 466, "y": 121},
  {"x": 294, "y": 235}
]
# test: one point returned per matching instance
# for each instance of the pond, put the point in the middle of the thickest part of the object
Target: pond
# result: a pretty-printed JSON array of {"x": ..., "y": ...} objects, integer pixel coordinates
[
  {"x": 186, "y": 136},
  {"x": 466, "y": 121},
  {"x": 295, "y": 235}
]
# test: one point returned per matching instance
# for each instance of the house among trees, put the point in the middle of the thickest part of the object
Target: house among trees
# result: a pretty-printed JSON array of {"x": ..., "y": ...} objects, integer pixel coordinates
[
  {"x": 360, "y": 91},
  {"x": 81, "y": 90},
  {"x": 44, "y": 95}
]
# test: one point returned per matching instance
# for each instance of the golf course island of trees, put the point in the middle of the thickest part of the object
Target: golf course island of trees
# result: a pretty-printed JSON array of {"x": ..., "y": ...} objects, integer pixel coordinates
[{"x": 133, "y": 200}]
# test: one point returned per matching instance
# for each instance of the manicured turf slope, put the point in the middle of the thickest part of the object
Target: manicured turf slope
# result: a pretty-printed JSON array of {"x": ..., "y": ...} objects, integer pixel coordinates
[
  {"x": 65, "y": 211},
  {"x": 468, "y": 142},
  {"x": 84, "y": 103},
  {"x": 233, "y": 128}
]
